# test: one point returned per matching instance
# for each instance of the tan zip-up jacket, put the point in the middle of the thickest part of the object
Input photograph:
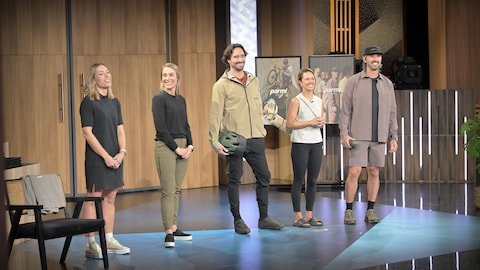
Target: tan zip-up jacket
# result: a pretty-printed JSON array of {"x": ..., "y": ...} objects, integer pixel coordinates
[{"x": 236, "y": 108}]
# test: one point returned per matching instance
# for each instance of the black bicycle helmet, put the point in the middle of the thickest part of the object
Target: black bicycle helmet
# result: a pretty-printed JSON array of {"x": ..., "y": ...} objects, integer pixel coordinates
[{"x": 235, "y": 143}]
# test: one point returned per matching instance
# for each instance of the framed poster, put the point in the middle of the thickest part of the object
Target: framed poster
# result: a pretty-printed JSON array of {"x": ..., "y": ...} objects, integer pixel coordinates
[
  {"x": 278, "y": 81},
  {"x": 331, "y": 72}
]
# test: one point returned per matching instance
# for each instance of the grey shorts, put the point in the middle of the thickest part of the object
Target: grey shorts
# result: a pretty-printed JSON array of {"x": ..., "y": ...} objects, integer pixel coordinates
[{"x": 367, "y": 154}]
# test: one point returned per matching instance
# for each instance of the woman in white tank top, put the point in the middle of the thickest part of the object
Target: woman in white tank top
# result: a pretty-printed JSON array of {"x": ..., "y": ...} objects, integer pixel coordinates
[{"x": 305, "y": 118}]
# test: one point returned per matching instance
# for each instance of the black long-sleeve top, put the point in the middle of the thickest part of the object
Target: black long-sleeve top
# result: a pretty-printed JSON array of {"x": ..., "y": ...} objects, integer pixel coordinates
[{"x": 170, "y": 119}]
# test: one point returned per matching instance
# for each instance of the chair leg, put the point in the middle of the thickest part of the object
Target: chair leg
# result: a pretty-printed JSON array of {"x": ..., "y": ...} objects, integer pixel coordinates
[
  {"x": 66, "y": 246},
  {"x": 103, "y": 245},
  {"x": 15, "y": 220},
  {"x": 43, "y": 254},
  {"x": 10, "y": 244}
]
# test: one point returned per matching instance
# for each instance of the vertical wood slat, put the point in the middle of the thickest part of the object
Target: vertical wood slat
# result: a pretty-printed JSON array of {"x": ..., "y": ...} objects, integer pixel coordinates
[
  {"x": 341, "y": 25},
  {"x": 333, "y": 40},
  {"x": 357, "y": 29}
]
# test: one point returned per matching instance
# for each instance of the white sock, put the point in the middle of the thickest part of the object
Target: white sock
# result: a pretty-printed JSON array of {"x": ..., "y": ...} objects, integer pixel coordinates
[
  {"x": 90, "y": 239},
  {"x": 109, "y": 236}
]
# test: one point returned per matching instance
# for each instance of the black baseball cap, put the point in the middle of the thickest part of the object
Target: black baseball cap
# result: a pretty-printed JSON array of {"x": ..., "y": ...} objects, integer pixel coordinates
[{"x": 373, "y": 50}]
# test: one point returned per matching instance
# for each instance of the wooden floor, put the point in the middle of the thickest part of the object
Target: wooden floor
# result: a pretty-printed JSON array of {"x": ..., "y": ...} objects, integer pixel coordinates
[{"x": 424, "y": 226}]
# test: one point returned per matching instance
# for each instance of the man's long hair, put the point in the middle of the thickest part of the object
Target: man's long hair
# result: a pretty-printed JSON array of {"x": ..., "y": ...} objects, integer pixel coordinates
[{"x": 227, "y": 54}]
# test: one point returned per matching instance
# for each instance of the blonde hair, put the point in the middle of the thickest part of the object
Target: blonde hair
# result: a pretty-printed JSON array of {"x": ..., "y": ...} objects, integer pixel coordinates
[
  {"x": 90, "y": 84},
  {"x": 177, "y": 72}
]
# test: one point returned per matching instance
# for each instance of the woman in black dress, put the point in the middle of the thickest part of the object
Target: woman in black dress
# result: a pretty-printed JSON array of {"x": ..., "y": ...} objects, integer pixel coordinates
[{"x": 102, "y": 127}]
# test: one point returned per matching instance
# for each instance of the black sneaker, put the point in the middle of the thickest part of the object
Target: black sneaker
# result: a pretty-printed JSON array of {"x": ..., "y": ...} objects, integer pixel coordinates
[
  {"x": 269, "y": 224},
  {"x": 169, "y": 241},
  {"x": 182, "y": 236},
  {"x": 241, "y": 227}
]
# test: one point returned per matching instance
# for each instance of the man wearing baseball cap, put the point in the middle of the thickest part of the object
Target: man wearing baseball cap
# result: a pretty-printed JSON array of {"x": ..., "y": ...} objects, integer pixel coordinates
[{"x": 369, "y": 117}]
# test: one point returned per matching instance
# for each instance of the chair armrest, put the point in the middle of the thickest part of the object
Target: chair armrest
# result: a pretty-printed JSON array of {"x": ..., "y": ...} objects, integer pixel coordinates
[
  {"x": 83, "y": 199},
  {"x": 23, "y": 207},
  {"x": 79, "y": 204},
  {"x": 16, "y": 211}
]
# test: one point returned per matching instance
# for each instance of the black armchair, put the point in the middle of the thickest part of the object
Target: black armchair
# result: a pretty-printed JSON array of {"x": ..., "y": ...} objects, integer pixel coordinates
[{"x": 50, "y": 228}]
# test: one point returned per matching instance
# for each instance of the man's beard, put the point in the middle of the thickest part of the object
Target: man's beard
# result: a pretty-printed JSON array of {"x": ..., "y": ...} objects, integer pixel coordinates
[
  {"x": 238, "y": 68},
  {"x": 377, "y": 67}
]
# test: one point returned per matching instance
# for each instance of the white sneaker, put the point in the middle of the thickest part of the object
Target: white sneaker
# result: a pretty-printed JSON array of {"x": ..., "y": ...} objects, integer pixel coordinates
[
  {"x": 93, "y": 251},
  {"x": 113, "y": 246}
]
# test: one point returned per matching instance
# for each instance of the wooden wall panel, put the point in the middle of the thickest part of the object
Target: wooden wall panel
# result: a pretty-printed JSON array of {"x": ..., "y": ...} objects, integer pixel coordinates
[
  {"x": 331, "y": 163},
  {"x": 437, "y": 44},
  {"x": 454, "y": 58},
  {"x": 141, "y": 83},
  {"x": 285, "y": 28},
  {"x": 445, "y": 99},
  {"x": 462, "y": 43},
  {"x": 195, "y": 26},
  {"x": 33, "y": 125},
  {"x": 8, "y": 33},
  {"x": 130, "y": 38},
  {"x": 198, "y": 78},
  {"x": 264, "y": 27},
  {"x": 35, "y": 49},
  {"x": 292, "y": 28},
  {"x": 119, "y": 27},
  {"x": 422, "y": 156},
  {"x": 194, "y": 23},
  {"x": 446, "y": 162},
  {"x": 42, "y": 26},
  {"x": 279, "y": 161}
]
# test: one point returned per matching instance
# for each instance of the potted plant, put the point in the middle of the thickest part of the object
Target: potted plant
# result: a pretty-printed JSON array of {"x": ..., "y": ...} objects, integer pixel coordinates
[{"x": 472, "y": 129}]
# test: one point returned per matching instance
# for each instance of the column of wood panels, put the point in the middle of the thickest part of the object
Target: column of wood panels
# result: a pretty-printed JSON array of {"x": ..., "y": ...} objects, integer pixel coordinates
[
  {"x": 285, "y": 28},
  {"x": 462, "y": 42},
  {"x": 33, "y": 78},
  {"x": 193, "y": 49},
  {"x": 130, "y": 38}
]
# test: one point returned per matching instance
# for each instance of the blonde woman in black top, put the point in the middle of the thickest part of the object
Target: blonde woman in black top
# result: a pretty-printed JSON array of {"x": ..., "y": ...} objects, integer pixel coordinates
[{"x": 173, "y": 147}]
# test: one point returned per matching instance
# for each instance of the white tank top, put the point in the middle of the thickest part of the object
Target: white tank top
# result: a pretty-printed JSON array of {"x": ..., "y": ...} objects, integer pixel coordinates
[{"x": 308, "y": 134}]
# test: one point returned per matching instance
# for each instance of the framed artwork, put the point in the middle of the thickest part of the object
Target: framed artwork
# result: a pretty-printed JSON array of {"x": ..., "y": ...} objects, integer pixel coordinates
[
  {"x": 278, "y": 81},
  {"x": 332, "y": 72}
]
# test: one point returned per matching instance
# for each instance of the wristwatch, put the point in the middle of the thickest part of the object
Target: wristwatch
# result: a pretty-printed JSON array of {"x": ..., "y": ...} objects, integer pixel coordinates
[
  {"x": 191, "y": 146},
  {"x": 394, "y": 137}
]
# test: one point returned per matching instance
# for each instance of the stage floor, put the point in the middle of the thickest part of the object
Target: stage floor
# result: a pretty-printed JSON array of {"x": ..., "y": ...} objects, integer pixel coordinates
[{"x": 423, "y": 226}]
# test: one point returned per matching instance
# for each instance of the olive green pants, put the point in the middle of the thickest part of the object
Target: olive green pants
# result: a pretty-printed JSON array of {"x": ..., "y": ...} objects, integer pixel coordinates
[{"x": 171, "y": 170}]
